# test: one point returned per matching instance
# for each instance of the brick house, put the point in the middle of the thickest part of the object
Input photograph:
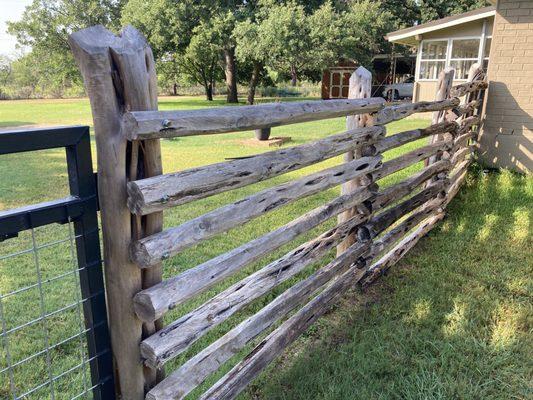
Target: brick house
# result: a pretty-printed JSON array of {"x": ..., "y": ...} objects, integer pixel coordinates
[{"x": 501, "y": 38}]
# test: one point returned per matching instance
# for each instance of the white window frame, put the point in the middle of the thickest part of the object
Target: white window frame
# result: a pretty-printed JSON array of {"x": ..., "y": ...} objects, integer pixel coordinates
[
  {"x": 475, "y": 59},
  {"x": 447, "y": 61},
  {"x": 419, "y": 58}
]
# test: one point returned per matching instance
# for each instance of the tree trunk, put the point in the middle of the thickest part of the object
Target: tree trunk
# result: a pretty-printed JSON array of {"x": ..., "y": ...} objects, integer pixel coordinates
[
  {"x": 208, "y": 87},
  {"x": 230, "y": 69},
  {"x": 175, "y": 89},
  {"x": 253, "y": 83},
  {"x": 294, "y": 76}
]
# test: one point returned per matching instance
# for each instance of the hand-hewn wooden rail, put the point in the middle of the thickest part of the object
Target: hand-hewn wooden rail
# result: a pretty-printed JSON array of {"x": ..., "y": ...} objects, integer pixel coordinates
[
  {"x": 195, "y": 370},
  {"x": 155, "y": 194},
  {"x": 231, "y": 384},
  {"x": 375, "y": 227},
  {"x": 401, "y": 111},
  {"x": 152, "y": 303},
  {"x": 407, "y": 243},
  {"x": 399, "y": 139},
  {"x": 179, "y": 335},
  {"x": 167, "y": 124},
  {"x": 468, "y": 87},
  {"x": 155, "y": 248}
]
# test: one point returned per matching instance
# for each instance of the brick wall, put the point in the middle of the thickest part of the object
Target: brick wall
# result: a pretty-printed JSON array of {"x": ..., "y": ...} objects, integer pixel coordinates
[{"x": 507, "y": 135}]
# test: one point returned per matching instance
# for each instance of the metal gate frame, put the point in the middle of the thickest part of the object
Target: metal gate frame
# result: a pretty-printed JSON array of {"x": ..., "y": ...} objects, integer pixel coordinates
[{"x": 80, "y": 208}]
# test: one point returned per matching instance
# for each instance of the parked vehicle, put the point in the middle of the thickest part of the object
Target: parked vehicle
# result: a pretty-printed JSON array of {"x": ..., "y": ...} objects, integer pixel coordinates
[{"x": 399, "y": 91}]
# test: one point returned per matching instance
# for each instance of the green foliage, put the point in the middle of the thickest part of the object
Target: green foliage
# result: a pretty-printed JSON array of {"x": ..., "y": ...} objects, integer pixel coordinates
[
  {"x": 291, "y": 38},
  {"x": 434, "y": 9},
  {"x": 44, "y": 27}
]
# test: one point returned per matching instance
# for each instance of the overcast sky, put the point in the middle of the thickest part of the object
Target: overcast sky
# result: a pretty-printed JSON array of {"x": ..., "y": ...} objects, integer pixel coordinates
[{"x": 10, "y": 10}]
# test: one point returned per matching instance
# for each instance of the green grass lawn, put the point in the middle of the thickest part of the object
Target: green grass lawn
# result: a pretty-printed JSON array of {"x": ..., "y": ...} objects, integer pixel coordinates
[{"x": 452, "y": 320}]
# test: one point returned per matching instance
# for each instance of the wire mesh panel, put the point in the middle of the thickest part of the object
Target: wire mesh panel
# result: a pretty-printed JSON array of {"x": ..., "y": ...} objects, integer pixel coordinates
[{"x": 54, "y": 337}]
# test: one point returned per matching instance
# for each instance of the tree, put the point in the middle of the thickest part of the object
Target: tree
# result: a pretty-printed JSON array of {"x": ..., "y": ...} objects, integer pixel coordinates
[
  {"x": 284, "y": 34},
  {"x": 365, "y": 23},
  {"x": 250, "y": 51},
  {"x": 200, "y": 61},
  {"x": 435, "y": 9},
  {"x": 46, "y": 24}
]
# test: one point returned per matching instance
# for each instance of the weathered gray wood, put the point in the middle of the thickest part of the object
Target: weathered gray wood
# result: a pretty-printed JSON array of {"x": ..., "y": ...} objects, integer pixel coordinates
[
  {"x": 398, "y": 251},
  {"x": 153, "y": 249},
  {"x": 463, "y": 139},
  {"x": 119, "y": 75},
  {"x": 385, "y": 219},
  {"x": 444, "y": 86},
  {"x": 392, "y": 236},
  {"x": 456, "y": 180},
  {"x": 152, "y": 303},
  {"x": 467, "y": 123},
  {"x": 399, "y": 139},
  {"x": 468, "y": 87},
  {"x": 407, "y": 159},
  {"x": 401, "y": 111},
  {"x": 461, "y": 154},
  {"x": 179, "y": 335},
  {"x": 161, "y": 192},
  {"x": 360, "y": 87},
  {"x": 195, "y": 370},
  {"x": 167, "y": 124},
  {"x": 231, "y": 384},
  {"x": 464, "y": 110},
  {"x": 395, "y": 192}
]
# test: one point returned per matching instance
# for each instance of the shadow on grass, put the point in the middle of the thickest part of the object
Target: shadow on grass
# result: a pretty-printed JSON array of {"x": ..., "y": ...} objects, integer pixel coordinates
[
  {"x": 450, "y": 321},
  {"x": 6, "y": 125}
]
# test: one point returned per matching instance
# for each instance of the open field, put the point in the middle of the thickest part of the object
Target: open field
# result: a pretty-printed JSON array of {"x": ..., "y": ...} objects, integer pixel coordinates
[{"x": 452, "y": 320}]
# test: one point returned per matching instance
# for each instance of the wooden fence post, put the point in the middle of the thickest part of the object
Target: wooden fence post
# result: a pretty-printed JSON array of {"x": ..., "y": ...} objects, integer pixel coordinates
[
  {"x": 444, "y": 85},
  {"x": 119, "y": 75},
  {"x": 360, "y": 88}
]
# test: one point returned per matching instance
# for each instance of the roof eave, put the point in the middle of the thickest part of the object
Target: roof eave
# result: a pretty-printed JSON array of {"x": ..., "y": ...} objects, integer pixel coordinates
[{"x": 408, "y": 36}]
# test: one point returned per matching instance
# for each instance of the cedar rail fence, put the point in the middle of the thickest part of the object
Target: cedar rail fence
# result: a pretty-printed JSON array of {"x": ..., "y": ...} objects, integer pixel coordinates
[{"x": 376, "y": 227}]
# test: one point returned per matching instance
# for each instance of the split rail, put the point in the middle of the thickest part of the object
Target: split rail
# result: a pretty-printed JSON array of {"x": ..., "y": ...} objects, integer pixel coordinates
[{"x": 376, "y": 226}]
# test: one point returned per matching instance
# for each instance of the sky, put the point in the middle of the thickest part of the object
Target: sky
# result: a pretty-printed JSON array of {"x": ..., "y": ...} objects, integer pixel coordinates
[{"x": 10, "y": 10}]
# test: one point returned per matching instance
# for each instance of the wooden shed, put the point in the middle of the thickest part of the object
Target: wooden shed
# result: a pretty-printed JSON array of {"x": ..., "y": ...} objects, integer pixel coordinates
[{"x": 500, "y": 37}]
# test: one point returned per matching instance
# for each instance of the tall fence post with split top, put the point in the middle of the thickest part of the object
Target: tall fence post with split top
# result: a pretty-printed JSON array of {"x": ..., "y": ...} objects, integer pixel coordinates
[{"x": 119, "y": 75}]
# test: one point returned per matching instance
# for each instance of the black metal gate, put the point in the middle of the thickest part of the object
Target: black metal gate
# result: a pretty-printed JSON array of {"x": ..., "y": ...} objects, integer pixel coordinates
[{"x": 44, "y": 363}]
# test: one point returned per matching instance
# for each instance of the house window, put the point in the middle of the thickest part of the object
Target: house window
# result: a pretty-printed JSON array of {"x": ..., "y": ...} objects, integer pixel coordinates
[
  {"x": 432, "y": 58},
  {"x": 465, "y": 53},
  {"x": 460, "y": 54}
]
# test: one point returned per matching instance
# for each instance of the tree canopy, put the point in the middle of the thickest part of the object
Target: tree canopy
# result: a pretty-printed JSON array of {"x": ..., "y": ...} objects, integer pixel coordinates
[{"x": 208, "y": 41}]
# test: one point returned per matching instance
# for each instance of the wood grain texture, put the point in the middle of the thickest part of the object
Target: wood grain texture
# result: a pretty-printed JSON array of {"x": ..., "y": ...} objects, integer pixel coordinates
[
  {"x": 414, "y": 156},
  {"x": 360, "y": 87},
  {"x": 158, "y": 193},
  {"x": 231, "y": 384},
  {"x": 399, "y": 190},
  {"x": 117, "y": 71},
  {"x": 456, "y": 180},
  {"x": 179, "y": 335},
  {"x": 468, "y": 87},
  {"x": 464, "y": 110},
  {"x": 400, "y": 111},
  {"x": 153, "y": 249},
  {"x": 167, "y": 124},
  {"x": 385, "y": 242},
  {"x": 444, "y": 86},
  {"x": 195, "y": 370},
  {"x": 399, "y": 139},
  {"x": 385, "y": 219},
  {"x": 152, "y": 303},
  {"x": 398, "y": 251}
]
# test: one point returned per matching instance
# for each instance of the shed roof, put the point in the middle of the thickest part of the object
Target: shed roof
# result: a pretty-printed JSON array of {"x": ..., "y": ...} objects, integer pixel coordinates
[{"x": 407, "y": 36}]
